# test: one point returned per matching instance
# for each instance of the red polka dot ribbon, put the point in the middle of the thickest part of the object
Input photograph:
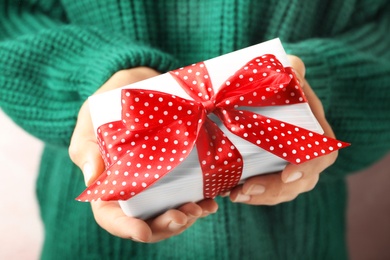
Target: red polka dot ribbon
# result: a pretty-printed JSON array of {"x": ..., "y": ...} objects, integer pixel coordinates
[{"x": 159, "y": 130}]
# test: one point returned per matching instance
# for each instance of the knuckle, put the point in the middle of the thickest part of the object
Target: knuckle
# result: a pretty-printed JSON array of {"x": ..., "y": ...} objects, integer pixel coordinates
[
  {"x": 274, "y": 196},
  {"x": 297, "y": 64},
  {"x": 285, "y": 198},
  {"x": 99, "y": 219},
  {"x": 273, "y": 202},
  {"x": 73, "y": 151},
  {"x": 291, "y": 197},
  {"x": 312, "y": 184},
  {"x": 333, "y": 157},
  {"x": 277, "y": 192}
]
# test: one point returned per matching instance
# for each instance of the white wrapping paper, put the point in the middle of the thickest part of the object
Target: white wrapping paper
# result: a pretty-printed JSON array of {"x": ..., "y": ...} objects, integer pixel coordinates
[{"x": 184, "y": 183}]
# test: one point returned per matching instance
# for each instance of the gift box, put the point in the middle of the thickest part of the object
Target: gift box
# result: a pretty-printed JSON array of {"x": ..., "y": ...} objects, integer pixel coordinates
[{"x": 200, "y": 130}]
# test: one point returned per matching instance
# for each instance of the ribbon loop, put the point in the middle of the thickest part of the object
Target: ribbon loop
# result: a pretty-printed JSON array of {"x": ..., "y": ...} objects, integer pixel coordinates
[
  {"x": 143, "y": 110},
  {"x": 263, "y": 81}
]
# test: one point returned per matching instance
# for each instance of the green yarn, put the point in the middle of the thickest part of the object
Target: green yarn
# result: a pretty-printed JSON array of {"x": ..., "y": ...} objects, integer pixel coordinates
[{"x": 54, "y": 54}]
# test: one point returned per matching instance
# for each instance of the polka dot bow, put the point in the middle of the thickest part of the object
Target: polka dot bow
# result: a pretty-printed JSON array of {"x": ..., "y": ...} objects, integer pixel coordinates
[{"x": 159, "y": 130}]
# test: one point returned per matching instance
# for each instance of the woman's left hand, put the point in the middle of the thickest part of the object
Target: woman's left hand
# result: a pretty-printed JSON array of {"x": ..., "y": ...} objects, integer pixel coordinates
[{"x": 275, "y": 188}]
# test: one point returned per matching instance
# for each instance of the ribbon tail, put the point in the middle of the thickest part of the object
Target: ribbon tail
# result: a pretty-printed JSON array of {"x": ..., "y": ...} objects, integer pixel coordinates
[
  {"x": 121, "y": 182},
  {"x": 291, "y": 143},
  {"x": 220, "y": 160},
  {"x": 113, "y": 140},
  {"x": 152, "y": 155}
]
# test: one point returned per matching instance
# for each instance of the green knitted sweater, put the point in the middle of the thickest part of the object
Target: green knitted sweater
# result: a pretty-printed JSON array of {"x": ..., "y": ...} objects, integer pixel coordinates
[{"x": 54, "y": 54}]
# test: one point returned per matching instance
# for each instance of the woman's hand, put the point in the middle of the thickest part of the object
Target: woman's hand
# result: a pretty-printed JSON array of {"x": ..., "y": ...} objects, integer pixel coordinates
[
  {"x": 84, "y": 152},
  {"x": 285, "y": 186}
]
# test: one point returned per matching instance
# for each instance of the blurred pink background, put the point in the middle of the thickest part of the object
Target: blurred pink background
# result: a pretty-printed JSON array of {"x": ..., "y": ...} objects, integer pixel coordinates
[{"x": 21, "y": 228}]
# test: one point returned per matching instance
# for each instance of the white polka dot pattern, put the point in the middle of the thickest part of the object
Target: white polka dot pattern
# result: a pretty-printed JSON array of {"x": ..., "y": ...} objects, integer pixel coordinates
[
  {"x": 220, "y": 161},
  {"x": 158, "y": 130},
  {"x": 145, "y": 145}
]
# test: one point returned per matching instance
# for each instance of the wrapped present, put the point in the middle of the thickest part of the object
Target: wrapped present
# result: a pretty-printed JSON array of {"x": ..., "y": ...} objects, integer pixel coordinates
[{"x": 198, "y": 131}]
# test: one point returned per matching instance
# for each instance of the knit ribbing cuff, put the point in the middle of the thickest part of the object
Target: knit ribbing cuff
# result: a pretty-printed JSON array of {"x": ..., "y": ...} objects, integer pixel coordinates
[
  {"x": 318, "y": 71},
  {"x": 51, "y": 73},
  {"x": 105, "y": 54}
]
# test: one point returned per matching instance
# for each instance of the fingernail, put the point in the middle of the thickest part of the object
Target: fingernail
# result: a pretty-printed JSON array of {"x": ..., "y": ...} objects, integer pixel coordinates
[
  {"x": 191, "y": 217},
  {"x": 294, "y": 176},
  {"x": 138, "y": 240},
  {"x": 173, "y": 226},
  {"x": 242, "y": 198},
  {"x": 225, "y": 194},
  {"x": 87, "y": 171},
  {"x": 256, "y": 189}
]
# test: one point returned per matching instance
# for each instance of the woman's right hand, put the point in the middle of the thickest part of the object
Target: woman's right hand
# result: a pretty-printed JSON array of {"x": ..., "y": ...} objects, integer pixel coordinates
[{"x": 84, "y": 152}]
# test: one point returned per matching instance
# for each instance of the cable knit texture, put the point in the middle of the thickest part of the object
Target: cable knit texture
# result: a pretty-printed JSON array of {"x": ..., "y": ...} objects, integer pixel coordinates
[{"x": 54, "y": 54}]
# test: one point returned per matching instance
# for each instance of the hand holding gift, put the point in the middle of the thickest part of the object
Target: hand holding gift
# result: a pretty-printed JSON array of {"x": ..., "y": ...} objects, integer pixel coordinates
[
  {"x": 84, "y": 152},
  {"x": 293, "y": 179},
  {"x": 129, "y": 176}
]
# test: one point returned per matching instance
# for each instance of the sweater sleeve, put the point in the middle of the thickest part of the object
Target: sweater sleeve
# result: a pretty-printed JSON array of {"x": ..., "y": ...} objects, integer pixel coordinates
[
  {"x": 350, "y": 72},
  {"x": 49, "y": 67}
]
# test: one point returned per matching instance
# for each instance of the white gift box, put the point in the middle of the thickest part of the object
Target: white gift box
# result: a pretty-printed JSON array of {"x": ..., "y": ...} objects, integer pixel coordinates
[{"x": 184, "y": 183}]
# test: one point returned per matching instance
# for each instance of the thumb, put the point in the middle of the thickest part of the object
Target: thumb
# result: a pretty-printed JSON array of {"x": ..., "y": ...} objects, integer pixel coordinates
[
  {"x": 297, "y": 65},
  {"x": 91, "y": 162},
  {"x": 83, "y": 149}
]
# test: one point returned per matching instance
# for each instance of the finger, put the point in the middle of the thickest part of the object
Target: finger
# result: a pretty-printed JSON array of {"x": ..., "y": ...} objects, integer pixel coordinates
[
  {"x": 83, "y": 149},
  {"x": 193, "y": 212},
  {"x": 196, "y": 210},
  {"x": 298, "y": 65},
  {"x": 316, "y": 107},
  {"x": 209, "y": 206},
  {"x": 311, "y": 169},
  {"x": 170, "y": 223},
  {"x": 126, "y": 77},
  {"x": 110, "y": 216},
  {"x": 259, "y": 190},
  {"x": 314, "y": 102},
  {"x": 225, "y": 194},
  {"x": 298, "y": 68},
  {"x": 300, "y": 71},
  {"x": 91, "y": 162},
  {"x": 274, "y": 191},
  {"x": 175, "y": 221}
]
